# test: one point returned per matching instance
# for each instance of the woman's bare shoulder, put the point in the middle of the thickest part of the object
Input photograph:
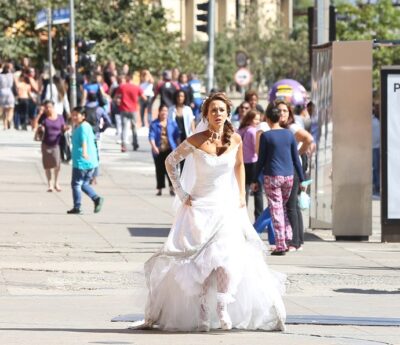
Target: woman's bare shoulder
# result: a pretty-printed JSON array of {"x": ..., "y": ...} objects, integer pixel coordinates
[
  {"x": 236, "y": 138},
  {"x": 197, "y": 139}
]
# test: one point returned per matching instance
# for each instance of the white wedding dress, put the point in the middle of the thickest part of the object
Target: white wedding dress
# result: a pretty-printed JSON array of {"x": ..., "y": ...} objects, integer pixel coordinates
[{"x": 213, "y": 233}]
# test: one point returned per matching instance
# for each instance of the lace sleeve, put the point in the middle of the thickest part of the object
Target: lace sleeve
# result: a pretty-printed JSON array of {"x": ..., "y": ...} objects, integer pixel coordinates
[{"x": 171, "y": 164}]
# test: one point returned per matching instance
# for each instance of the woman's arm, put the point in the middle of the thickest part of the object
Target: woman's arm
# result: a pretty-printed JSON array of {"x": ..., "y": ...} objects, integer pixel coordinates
[
  {"x": 240, "y": 174},
  {"x": 84, "y": 97},
  {"x": 193, "y": 126},
  {"x": 258, "y": 136},
  {"x": 38, "y": 117},
  {"x": 66, "y": 106},
  {"x": 34, "y": 84},
  {"x": 154, "y": 147},
  {"x": 305, "y": 138},
  {"x": 152, "y": 140},
  {"x": 171, "y": 164},
  {"x": 296, "y": 160}
]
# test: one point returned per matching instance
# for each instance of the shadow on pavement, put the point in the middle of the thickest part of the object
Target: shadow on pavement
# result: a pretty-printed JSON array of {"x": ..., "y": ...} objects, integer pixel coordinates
[
  {"x": 115, "y": 331},
  {"x": 369, "y": 291},
  {"x": 149, "y": 232},
  {"x": 308, "y": 236}
]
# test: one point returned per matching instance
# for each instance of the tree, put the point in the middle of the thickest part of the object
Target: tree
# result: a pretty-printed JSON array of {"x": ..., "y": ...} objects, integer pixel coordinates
[
  {"x": 273, "y": 52},
  {"x": 129, "y": 32},
  {"x": 380, "y": 21},
  {"x": 17, "y": 35},
  {"x": 126, "y": 31}
]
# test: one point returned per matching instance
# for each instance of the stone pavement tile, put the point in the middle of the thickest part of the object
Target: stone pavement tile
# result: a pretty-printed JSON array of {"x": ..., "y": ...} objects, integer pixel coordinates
[
  {"x": 63, "y": 278},
  {"x": 349, "y": 335},
  {"x": 350, "y": 305}
]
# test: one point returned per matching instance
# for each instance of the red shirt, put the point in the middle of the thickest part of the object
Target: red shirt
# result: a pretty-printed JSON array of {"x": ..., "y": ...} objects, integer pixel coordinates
[{"x": 130, "y": 94}]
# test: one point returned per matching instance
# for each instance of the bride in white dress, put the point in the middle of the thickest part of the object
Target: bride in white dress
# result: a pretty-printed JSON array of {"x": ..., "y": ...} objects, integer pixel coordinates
[{"x": 212, "y": 272}]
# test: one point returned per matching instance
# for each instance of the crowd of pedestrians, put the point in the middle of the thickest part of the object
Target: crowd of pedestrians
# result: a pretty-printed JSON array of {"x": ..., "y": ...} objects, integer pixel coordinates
[
  {"x": 108, "y": 96},
  {"x": 276, "y": 149}
]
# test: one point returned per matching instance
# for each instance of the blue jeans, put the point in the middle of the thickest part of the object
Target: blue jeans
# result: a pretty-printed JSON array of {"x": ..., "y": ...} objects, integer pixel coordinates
[
  {"x": 143, "y": 106},
  {"x": 81, "y": 182},
  {"x": 129, "y": 119}
]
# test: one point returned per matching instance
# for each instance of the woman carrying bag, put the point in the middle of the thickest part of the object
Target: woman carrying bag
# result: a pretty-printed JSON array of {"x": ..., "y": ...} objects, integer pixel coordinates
[
  {"x": 164, "y": 137},
  {"x": 54, "y": 127}
]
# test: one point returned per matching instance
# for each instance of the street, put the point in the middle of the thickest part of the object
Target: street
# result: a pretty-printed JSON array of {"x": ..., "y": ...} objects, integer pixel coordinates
[{"x": 65, "y": 277}]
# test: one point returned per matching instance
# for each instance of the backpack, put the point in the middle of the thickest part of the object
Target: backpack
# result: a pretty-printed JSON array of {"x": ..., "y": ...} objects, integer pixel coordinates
[{"x": 91, "y": 118}]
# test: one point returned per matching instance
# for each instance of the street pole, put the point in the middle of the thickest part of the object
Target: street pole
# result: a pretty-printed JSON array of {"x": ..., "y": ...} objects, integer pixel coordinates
[
  {"x": 50, "y": 50},
  {"x": 72, "y": 72},
  {"x": 322, "y": 7},
  {"x": 211, "y": 45}
]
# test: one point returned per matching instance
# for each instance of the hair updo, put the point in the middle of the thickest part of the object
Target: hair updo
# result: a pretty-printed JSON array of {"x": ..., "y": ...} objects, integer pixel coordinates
[{"x": 228, "y": 128}]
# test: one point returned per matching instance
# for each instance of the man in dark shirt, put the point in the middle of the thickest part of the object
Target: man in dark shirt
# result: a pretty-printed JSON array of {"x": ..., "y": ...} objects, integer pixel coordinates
[{"x": 166, "y": 89}]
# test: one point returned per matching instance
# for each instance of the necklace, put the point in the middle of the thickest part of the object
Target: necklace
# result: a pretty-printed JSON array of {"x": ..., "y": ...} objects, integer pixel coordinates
[{"x": 214, "y": 135}]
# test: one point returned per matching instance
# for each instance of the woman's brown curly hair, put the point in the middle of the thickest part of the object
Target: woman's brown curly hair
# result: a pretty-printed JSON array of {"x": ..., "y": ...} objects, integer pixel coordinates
[
  {"x": 290, "y": 108},
  {"x": 228, "y": 128}
]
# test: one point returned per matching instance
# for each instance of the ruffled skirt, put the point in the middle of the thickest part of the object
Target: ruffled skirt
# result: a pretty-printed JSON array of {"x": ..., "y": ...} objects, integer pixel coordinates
[{"x": 203, "y": 239}]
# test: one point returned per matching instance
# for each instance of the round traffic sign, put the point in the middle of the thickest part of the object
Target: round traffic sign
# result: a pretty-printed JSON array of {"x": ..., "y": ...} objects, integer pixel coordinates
[
  {"x": 241, "y": 59},
  {"x": 243, "y": 76}
]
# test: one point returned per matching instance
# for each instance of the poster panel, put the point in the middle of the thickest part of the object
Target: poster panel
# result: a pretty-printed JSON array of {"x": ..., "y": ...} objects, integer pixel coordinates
[{"x": 393, "y": 146}]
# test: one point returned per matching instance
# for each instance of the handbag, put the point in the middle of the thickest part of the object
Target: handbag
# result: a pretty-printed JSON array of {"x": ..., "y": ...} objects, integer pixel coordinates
[
  {"x": 39, "y": 134},
  {"x": 66, "y": 147},
  {"x": 304, "y": 201}
]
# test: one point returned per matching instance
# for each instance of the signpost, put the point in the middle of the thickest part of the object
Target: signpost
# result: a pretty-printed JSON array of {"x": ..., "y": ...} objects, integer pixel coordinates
[
  {"x": 50, "y": 51},
  {"x": 72, "y": 72},
  {"x": 47, "y": 17},
  {"x": 41, "y": 19},
  {"x": 61, "y": 16},
  {"x": 243, "y": 76},
  {"x": 241, "y": 59}
]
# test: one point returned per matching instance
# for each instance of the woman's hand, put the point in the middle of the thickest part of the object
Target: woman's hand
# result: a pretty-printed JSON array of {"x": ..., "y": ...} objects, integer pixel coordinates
[
  {"x": 155, "y": 150},
  {"x": 254, "y": 187},
  {"x": 242, "y": 201},
  {"x": 41, "y": 111},
  {"x": 188, "y": 201}
]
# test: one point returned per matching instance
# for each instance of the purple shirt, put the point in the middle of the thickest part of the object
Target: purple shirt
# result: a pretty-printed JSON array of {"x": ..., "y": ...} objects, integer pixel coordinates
[
  {"x": 53, "y": 130},
  {"x": 248, "y": 135}
]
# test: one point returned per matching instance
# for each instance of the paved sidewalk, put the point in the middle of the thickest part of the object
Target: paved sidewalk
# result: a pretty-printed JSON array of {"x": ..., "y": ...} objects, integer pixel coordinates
[{"x": 64, "y": 277}]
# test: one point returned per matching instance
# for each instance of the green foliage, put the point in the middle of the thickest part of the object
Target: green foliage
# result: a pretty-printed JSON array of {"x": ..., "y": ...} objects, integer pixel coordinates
[
  {"x": 379, "y": 21},
  {"x": 273, "y": 53},
  {"x": 17, "y": 34},
  {"x": 126, "y": 31},
  {"x": 193, "y": 58}
]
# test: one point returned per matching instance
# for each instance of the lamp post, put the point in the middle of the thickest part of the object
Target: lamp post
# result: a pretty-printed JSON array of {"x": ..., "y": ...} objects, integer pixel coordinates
[
  {"x": 50, "y": 49},
  {"x": 72, "y": 72}
]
